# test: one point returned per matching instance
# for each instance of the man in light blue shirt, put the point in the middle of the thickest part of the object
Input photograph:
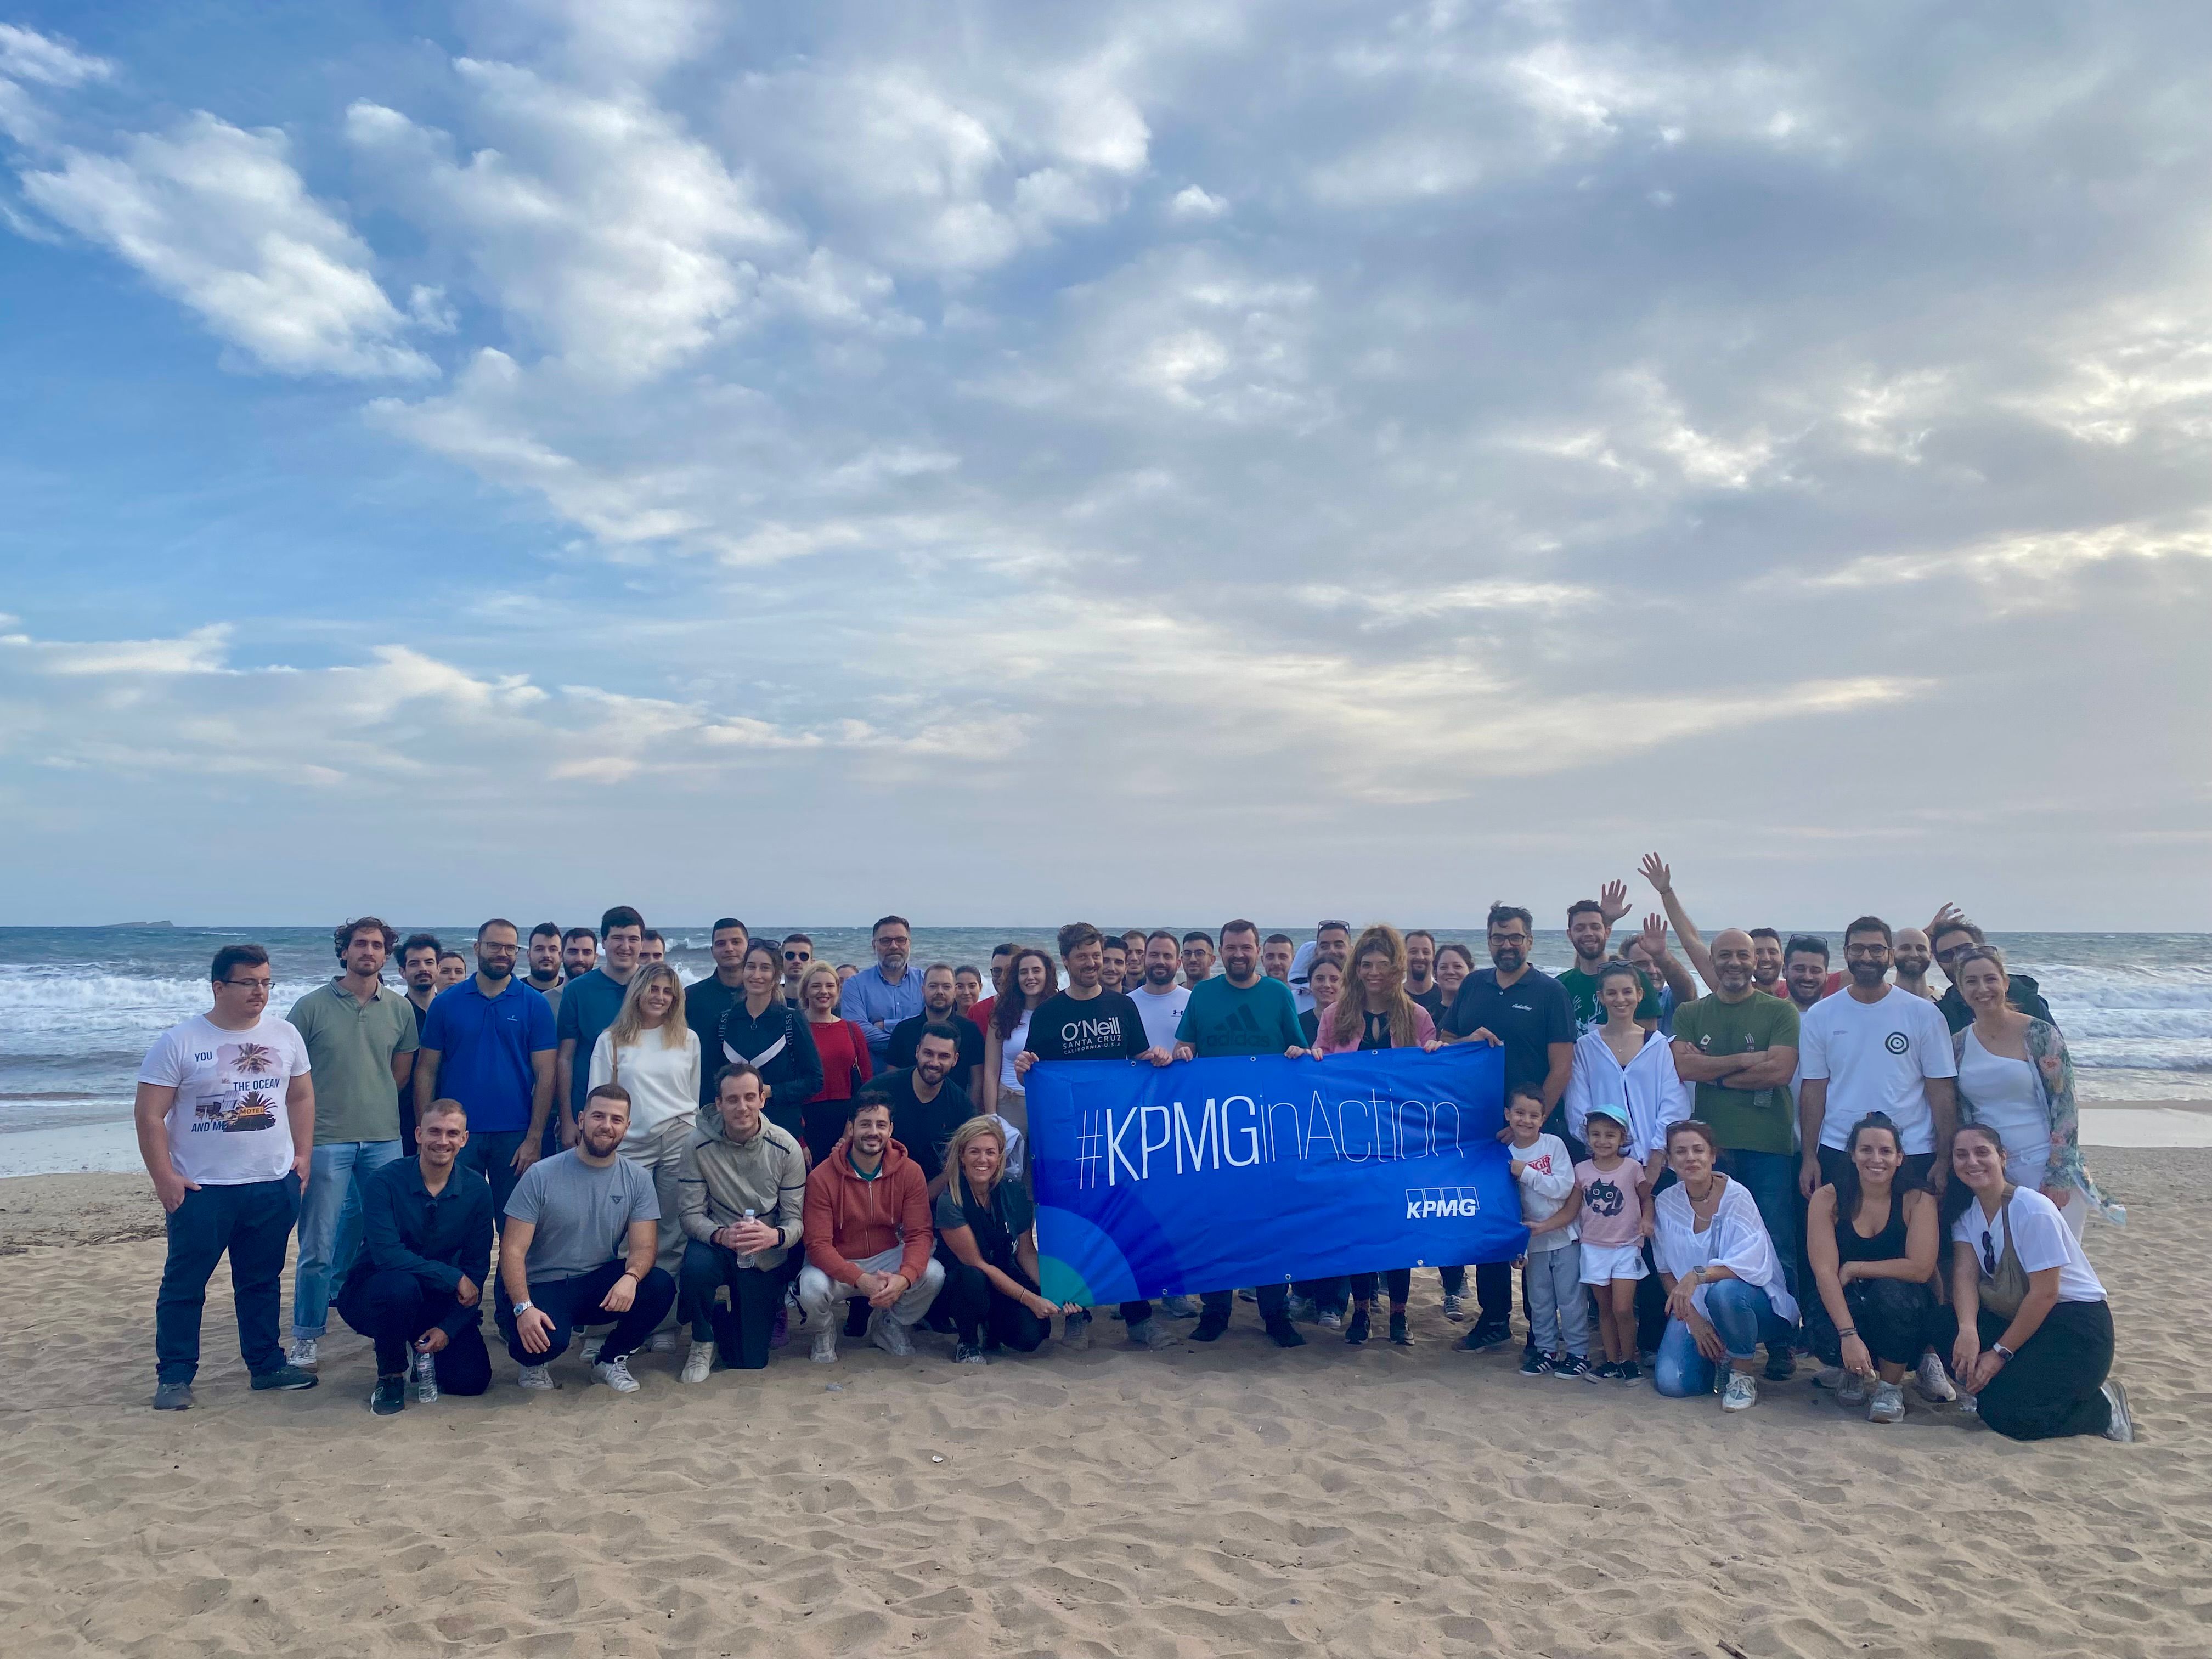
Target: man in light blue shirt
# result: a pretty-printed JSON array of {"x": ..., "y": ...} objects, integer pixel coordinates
[{"x": 876, "y": 999}]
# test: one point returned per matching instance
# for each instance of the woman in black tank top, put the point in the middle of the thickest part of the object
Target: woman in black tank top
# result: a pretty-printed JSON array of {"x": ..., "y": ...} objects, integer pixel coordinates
[{"x": 1875, "y": 1287}]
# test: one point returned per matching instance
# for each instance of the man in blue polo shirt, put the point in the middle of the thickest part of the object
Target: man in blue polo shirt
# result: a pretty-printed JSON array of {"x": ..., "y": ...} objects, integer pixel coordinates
[
  {"x": 488, "y": 1043},
  {"x": 877, "y": 999}
]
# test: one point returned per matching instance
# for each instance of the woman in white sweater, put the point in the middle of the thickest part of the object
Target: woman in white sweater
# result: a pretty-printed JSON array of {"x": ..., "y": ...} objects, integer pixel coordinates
[
  {"x": 1725, "y": 1293},
  {"x": 654, "y": 1055},
  {"x": 1619, "y": 1063}
]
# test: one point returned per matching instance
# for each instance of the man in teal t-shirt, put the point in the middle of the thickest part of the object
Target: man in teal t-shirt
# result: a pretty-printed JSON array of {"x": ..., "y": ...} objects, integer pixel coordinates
[{"x": 1241, "y": 1012}]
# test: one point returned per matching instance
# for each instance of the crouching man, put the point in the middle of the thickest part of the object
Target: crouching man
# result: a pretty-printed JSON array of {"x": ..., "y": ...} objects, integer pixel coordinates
[
  {"x": 582, "y": 1230},
  {"x": 742, "y": 1188},
  {"x": 868, "y": 1235},
  {"x": 416, "y": 1288}
]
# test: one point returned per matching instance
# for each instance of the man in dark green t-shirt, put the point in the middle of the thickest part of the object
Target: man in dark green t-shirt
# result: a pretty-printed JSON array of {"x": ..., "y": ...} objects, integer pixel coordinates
[
  {"x": 1739, "y": 1046},
  {"x": 1241, "y": 1011},
  {"x": 1589, "y": 927}
]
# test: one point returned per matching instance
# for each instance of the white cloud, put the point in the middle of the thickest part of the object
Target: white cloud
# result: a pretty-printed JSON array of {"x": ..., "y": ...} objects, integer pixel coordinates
[
  {"x": 1192, "y": 202},
  {"x": 217, "y": 218}
]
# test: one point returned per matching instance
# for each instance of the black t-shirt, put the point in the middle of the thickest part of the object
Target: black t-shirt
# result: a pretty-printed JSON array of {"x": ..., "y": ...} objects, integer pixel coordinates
[
  {"x": 1528, "y": 1015},
  {"x": 1433, "y": 1000},
  {"x": 905, "y": 1037},
  {"x": 923, "y": 1127},
  {"x": 1105, "y": 1027},
  {"x": 1310, "y": 1023}
]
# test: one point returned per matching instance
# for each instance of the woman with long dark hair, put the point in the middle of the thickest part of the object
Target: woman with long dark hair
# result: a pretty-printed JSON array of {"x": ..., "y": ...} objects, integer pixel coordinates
[
  {"x": 1872, "y": 1240},
  {"x": 2034, "y": 1343},
  {"x": 1031, "y": 978},
  {"x": 761, "y": 1030}
]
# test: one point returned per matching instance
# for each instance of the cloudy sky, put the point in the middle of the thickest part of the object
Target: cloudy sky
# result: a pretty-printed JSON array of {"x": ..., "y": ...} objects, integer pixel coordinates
[{"x": 1004, "y": 462}]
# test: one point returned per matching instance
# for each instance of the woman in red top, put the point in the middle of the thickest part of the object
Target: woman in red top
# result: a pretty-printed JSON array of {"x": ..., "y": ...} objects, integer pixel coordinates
[{"x": 844, "y": 1049}]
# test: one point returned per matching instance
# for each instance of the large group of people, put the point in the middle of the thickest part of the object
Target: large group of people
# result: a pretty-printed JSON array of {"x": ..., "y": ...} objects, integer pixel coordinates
[{"x": 560, "y": 1131}]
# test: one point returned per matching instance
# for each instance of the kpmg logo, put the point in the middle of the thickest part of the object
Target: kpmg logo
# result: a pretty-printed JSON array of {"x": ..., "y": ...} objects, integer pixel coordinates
[{"x": 1423, "y": 1202}]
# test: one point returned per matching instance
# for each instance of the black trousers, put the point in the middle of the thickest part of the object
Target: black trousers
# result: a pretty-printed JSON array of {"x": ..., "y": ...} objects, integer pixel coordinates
[
  {"x": 570, "y": 1302},
  {"x": 1493, "y": 1294},
  {"x": 2053, "y": 1387},
  {"x": 252, "y": 1221},
  {"x": 977, "y": 1309},
  {"x": 740, "y": 1330},
  {"x": 1398, "y": 1280},
  {"x": 1894, "y": 1318},
  {"x": 392, "y": 1309},
  {"x": 1274, "y": 1301}
]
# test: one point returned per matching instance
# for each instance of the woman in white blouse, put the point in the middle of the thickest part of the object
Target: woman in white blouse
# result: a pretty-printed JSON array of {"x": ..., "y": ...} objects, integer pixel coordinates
[
  {"x": 653, "y": 1053},
  {"x": 1725, "y": 1293},
  {"x": 1619, "y": 1063}
]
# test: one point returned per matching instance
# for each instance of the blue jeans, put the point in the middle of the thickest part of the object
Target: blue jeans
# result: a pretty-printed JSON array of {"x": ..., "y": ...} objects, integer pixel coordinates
[
  {"x": 330, "y": 1225},
  {"x": 254, "y": 1222},
  {"x": 1742, "y": 1316},
  {"x": 1771, "y": 1178}
]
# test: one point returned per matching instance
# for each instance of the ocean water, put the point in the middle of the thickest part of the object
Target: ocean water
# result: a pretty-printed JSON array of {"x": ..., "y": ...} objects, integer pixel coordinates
[{"x": 79, "y": 1006}]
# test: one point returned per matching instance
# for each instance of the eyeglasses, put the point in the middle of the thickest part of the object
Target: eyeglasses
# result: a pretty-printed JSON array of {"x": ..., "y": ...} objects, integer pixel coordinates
[
  {"x": 1989, "y": 1254},
  {"x": 797, "y": 955},
  {"x": 498, "y": 949},
  {"x": 263, "y": 986}
]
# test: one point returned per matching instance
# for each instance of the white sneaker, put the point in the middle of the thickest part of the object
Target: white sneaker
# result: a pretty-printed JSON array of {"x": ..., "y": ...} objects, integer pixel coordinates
[
  {"x": 592, "y": 1346},
  {"x": 535, "y": 1376},
  {"x": 1830, "y": 1377},
  {"x": 2122, "y": 1428},
  {"x": 615, "y": 1373},
  {"x": 698, "y": 1362},
  {"x": 1331, "y": 1320},
  {"x": 1151, "y": 1334},
  {"x": 825, "y": 1347},
  {"x": 1932, "y": 1381},
  {"x": 1888, "y": 1403},
  {"x": 887, "y": 1333},
  {"x": 663, "y": 1342},
  {"x": 1742, "y": 1393},
  {"x": 300, "y": 1352},
  {"x": 1455, "y": 1307},
  {"x": 1852, "y": 1390}
]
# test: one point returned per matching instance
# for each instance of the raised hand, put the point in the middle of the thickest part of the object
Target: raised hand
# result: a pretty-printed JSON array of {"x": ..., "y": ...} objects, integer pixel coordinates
[
  {"x": 1653, "y": 938},
  {"x": 1655, "y": 871},
  {"x": 1613, "y": 902}
]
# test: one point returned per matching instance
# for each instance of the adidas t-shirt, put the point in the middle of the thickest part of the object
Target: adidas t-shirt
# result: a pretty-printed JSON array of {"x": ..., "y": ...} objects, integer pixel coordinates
[
  {"x": 1260, "y": 1018},
  {"x": 228, "y": 1124}
]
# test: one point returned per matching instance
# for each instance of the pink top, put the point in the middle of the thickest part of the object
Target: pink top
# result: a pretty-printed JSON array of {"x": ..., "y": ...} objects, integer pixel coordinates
[
  {"x": 1425, "y": 1030},
  {"x": 1613, "y": 1204}
]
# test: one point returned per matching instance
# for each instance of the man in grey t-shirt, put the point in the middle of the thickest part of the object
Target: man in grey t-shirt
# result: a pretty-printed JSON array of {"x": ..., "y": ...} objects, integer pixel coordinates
[{"x": 581, "y": 1235}]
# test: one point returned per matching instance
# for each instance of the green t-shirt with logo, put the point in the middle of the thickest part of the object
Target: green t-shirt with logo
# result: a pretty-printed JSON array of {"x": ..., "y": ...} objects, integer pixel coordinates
[
  {"x": 1745, "y": 1120},
  {"x": 1262, "y": 1018},
  {"x": 1589, "y": 1012}
]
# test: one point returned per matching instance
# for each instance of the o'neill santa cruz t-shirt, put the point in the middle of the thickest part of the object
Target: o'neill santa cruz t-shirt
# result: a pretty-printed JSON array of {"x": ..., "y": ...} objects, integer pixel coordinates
[
  {"x": 1877, "y": 1057},
  {"x": 1105, "y": 1027},
  {"x": 228, "y": 1124}
]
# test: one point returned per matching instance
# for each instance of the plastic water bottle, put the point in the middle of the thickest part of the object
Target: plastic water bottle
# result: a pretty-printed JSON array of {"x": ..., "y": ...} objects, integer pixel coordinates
[{"x": 426, "y": 1379}]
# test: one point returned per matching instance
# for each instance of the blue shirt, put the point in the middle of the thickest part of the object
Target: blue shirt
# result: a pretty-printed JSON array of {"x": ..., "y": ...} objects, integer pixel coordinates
[
  {"x": 589, "y": 1004},
  {"x": 876, "y": 1006},
  {"x": 484, "y": 1045}
]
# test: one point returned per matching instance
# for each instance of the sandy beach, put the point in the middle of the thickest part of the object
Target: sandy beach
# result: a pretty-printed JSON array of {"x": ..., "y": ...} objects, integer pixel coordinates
[{"x": 1203, "y": 1502}]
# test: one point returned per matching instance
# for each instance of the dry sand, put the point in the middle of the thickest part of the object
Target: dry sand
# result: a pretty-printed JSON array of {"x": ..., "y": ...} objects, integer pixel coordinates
[{"x": 1203, "y": 1502}]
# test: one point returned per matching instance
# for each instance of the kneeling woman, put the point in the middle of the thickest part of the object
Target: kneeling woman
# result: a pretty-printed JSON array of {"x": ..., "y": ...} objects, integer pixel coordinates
[
  {"x": 1725, "y": 1293},
  {"x": 990, "y": 1261},
  {"x": 1872, "y": 1241},
  {"x": 2035, "y": 1334}
]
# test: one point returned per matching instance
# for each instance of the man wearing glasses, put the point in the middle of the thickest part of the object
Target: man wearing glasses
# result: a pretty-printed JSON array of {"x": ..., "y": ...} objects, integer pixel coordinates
[
  {"x": 1950, "y": 936},
  {"x": 876, "y": 999},
  {"x": 488, "y": 1043},
  {"x": 797, "y": 958},
  {"x": 225, "y": 1117}
]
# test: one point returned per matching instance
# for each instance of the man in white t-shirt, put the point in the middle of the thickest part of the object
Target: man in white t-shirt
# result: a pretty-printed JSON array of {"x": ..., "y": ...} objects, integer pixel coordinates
[
  {"x": 1875, "y": 1049},
  {"x": 1160, "y": 1001},
  {"x": 226, "y": 1115}
]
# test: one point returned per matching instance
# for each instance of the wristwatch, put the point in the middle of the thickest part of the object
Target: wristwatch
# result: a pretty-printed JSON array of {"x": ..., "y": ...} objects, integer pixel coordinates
[
  {"x": 2000, "y": 1351},
  {"x": 523, "y": 1307}
]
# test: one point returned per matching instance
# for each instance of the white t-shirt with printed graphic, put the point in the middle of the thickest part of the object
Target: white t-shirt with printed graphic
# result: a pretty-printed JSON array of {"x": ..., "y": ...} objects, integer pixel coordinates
[
  {"x": 228, "y": 1124},
  {"x": 1876, "y": 1057}
]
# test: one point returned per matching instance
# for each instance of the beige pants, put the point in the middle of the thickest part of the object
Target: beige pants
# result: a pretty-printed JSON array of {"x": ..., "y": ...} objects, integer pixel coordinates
[{"x": 659, "y": 1153}]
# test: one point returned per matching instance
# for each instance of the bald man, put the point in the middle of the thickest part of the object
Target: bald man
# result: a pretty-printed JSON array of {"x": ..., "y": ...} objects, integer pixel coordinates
[
  {"x": 1911, "y": 956},
  {"x": 1738, "y": 1047}
]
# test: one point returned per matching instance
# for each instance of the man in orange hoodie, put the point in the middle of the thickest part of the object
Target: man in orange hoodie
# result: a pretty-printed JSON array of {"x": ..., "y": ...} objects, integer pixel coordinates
[{"x": 867, "y": 1232}]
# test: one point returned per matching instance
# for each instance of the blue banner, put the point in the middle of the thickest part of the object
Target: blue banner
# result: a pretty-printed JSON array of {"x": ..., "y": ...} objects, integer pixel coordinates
[{"x": 1211, "y": 1173}]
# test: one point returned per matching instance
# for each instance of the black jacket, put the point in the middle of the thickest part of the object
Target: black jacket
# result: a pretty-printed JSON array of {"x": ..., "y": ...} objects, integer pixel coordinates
[
  {"x": 406, "y": 1230},
  {"x": 778, "y": 1044}
]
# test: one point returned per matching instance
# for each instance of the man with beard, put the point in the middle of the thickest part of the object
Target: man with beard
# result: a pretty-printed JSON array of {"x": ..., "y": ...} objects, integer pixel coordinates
[
  {"x": 1952, "y": 936},
  {"x": 589, "y": 1004},
  {"x": 1160, "y": 1000},
  {"x": 544, "y": 975},
  {"x": 416, "y": 1290},
  {"x": 1912, "y": 959},
  {"x": 797, "y": 958},
  {"x": 1421, "y": 973},
  {"x": 1875, "y": 1048},
  {"x": 1113, "y": 969},
  {"x": 741, "y": 1192},
  {"x": 1241, "y": 1012},
  {"x": 1739, "y": 1047},
  {"x": 418, "y": 972},
  {"x": 488, "y": 1043},
  {"x": 1589, "y": 925},
  {"x": 1197, "y": 957},
  {"x": 876, "y": 999},
  {"x": 1767, "y": 961},
  {"x": 709, "y": 999},
  {"x": 926, "y": 1104},
  {"x": 938, "y": 993},
  {"x": 580, "y": 954},
  {"x": 1514, "y": 1006},
  {"x": 868, "y": 1235},
  {"x": 582, "y": 1230},
  {"x": 1086, "y": 1021},
  {"x": 1277, "y": 952}
]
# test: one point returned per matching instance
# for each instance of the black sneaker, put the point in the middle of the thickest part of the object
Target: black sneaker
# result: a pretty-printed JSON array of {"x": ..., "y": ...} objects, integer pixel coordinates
[
  {"x": 391, "y": 1396},
  {"x": 1211, "y": 1324},
  {"x": 1628, "y": 1371},
  {"x": 1781, "y": 1363},
  {"x": 1532, "y": 1363},
  {"x": 284, "y": 1377},
  {"x": 172, "y": 1396},
  {"x": 1398, "y": 1334},
  {"x": 1575, "y": 1365},
  {"x": 1604, "y": 1371},
  {"x": 1285, "y": 1333},
  {"x": 856, "y": 1318},
  {"x": 1484, "y": 1337},
  {"x": 1356, "y": 1332}
]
